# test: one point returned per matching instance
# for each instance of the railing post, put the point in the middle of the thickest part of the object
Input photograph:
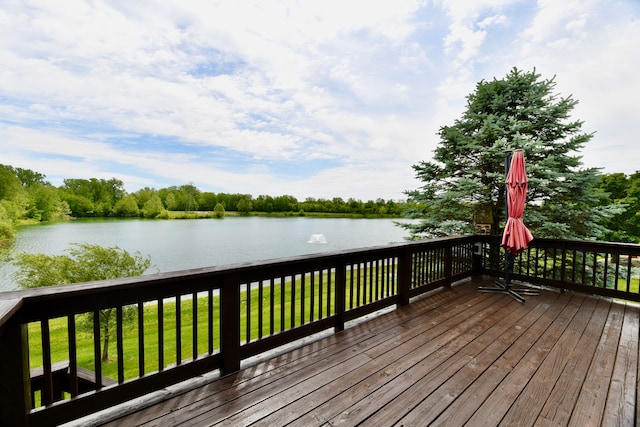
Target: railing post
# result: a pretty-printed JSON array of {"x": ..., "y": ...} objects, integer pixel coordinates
[
  {"x": 230, "y": 324},
  {"x": 476, "y": 260},
  {"x": 15, "y": 384},
  {"x": 404, "y": 276},
  {"x": 563, "y": 266},
  {"x": 448, "y": 264},
  {"x": 340, "y": 295}
]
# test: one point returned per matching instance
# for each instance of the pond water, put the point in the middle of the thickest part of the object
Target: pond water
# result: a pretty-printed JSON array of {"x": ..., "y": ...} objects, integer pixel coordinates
[{"x": 182, "y": 244}]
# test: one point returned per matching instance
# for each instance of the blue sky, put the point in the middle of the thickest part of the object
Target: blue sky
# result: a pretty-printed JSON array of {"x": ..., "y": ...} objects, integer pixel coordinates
[{"x": 308, "y": 98}]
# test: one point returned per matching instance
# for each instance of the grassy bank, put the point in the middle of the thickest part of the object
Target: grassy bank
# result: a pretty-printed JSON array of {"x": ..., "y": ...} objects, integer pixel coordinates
[{"x": 211, "y": 214}]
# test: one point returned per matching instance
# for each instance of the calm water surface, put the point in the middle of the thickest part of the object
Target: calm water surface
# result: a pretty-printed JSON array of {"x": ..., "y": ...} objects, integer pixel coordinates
[{"x": 183, "y": 244}]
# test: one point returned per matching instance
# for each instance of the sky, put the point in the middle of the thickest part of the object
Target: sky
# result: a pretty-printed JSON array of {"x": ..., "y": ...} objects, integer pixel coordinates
[{"x": 310, "y": 98}]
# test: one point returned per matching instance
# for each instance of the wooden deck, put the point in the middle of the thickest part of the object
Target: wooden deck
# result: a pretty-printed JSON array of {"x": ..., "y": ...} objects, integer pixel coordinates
[{"x": 453, "y": 358}]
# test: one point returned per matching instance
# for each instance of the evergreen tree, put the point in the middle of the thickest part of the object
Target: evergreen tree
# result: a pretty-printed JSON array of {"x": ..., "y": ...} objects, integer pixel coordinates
[{"x": 520, "y": 111}]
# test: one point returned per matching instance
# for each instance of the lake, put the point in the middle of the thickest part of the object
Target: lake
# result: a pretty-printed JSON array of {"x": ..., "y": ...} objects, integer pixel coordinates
[{"x": 182, "y": 244}]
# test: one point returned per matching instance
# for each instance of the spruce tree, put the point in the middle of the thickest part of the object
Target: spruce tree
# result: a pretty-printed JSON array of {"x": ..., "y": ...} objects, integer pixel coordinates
[{"x": 520, "y": 111}]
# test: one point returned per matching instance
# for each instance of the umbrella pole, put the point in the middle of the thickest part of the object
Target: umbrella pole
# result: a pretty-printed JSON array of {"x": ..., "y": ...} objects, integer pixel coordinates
[{"x": 509, "y": 258}]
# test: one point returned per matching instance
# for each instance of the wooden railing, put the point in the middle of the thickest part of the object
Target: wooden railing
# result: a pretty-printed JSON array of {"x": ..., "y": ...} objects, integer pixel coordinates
[
  {"x": 171, "y": 327},
  {"x": 166, "y": 328},
  {"x": 608, "y": 269}
]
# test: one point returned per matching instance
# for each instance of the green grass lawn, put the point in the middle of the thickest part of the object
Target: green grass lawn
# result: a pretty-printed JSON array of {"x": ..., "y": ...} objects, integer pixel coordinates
[{"x": 634, "y": 285}]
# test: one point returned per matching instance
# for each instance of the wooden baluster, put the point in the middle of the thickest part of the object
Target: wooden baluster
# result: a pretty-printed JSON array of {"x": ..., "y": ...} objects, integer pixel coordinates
[
  {"x": 120, "y": 343},
  {"x": 97, "y": 363},
  {"x": 211, "y": 335},
  {"x": 141, "y": 367},
  {"x": 178, "y": 330},
  {"x": 47, "y": 392},
  {"x": 73, "y": 361},
  {"x": 271, "y": 306},
  {"x": 160, "y": 335},
  {"x": 194, "y": 324},
  {"x": 260, "y": 308}
]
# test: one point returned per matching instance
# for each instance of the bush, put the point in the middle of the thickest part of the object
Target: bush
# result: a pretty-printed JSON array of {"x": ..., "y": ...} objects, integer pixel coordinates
[
  {"x": 164, "y": 214},
  {"x": 218, "y": 211}
]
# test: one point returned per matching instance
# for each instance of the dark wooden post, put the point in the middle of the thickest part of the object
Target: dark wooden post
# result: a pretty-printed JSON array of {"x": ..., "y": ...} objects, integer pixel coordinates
[
  {"x": 340, "y": 295},
  {"x": 404, "y": 276},
  {"x": 563, "y": 266},
  {"x": 478, "y": 253},
  {"x": 230, "y": 324},
  {"x": 15, "y": 386},
  {"x": 448, "y": 264}
]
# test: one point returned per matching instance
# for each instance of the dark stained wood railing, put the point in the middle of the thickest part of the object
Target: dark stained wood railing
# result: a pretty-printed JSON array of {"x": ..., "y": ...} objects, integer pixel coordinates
[
  {"x": 184, "y": 324},
  {"x": 172, "y": 327},
  {"x": 608, "y": 269}
]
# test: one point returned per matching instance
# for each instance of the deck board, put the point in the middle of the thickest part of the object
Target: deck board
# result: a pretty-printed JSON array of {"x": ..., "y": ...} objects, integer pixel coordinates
[
  {"x": 589, "y": 407},
  {"x": 453, "y": 358},
  {"x": 622, "y": 398}
]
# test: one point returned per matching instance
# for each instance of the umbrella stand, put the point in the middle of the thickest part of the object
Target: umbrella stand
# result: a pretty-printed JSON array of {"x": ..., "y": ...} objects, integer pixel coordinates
[
  {"x": 509, "y": 257},
  {"x": 506, "y": 287}
]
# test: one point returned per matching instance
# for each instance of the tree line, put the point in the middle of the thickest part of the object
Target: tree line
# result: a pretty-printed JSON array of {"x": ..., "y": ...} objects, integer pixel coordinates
[{"x": 27, "y": 195}]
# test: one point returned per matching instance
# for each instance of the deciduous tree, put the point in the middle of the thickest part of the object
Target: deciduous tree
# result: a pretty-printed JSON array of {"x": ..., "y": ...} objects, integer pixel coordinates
[{"x": 83, "y": 262}]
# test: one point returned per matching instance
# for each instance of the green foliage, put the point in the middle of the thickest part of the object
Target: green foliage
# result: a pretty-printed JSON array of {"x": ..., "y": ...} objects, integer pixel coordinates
[
  {"x": 170, "y": 202},
  {"x": 624, "y": 192},
  {"x": 84, "y": 263},
  {"x": 164, "y": 214},
  {"x": 79, "y": 205},
  {"x": 245, "y": 206},
  {"x": 46, "y": 204},
  {"x": 7, "y": 230},
  {"x": 517, "y": 112},
  {"x": 30, "y": 178},
  {"x": 153, "y": 207},
  {"x": 144, "y": 195},
  {"x": 218, "y": 211},
  {"x": 39, "y": 270},
  {"x": 127, "y": 207},
  {"x": 10, "y": 185},
  {"x": 182, "y": 198},
  {"x": 102, "y": 194}
]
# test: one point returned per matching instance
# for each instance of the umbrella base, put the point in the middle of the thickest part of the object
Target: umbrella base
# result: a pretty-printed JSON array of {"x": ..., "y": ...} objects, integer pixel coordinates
[{"x": 516, "y": 293}]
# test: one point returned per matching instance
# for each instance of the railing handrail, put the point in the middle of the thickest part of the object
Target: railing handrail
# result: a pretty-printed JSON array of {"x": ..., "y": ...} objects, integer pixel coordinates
[
  {"x": 611, "y": 247},
  {"x": 580, "y": 265},
  {"x": 9, "y": 307},
  {"x": 125, "y": 284}
]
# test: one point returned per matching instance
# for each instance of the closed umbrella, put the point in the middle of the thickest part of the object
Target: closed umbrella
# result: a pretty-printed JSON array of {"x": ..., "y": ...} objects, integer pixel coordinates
[{"x": 516, "y": 235}]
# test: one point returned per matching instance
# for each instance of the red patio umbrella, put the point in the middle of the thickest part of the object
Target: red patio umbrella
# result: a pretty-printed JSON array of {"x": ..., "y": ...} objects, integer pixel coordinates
[{"x": 516, "y": 235}]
